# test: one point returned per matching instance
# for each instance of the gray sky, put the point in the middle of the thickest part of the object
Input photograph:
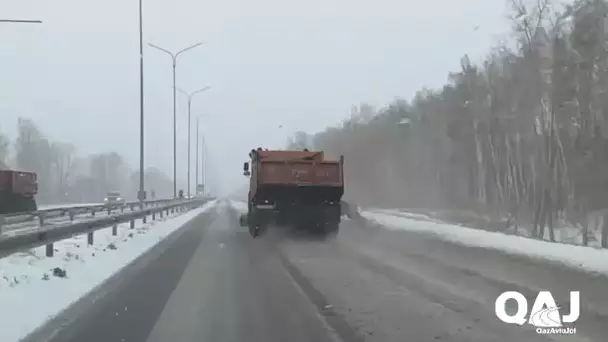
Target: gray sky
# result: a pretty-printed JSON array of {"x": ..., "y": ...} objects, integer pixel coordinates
[{"x": 300, "y": 64}]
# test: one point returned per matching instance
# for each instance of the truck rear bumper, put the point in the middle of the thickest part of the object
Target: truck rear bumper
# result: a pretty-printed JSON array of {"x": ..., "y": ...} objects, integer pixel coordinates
[{"x": 265, "y": 206}]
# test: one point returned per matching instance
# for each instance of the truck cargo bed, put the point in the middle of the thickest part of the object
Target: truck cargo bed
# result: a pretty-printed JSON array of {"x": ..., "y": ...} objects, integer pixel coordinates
[
  {"x": 297, "y": 179},
  {"x": 300, "y": 173},
  {"x": 18, "y": 182}
]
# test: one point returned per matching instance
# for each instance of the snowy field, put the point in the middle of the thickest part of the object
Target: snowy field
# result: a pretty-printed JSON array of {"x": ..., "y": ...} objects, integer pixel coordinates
[
  {"x": 577, "y": 257},
  {"x": 31, "y": 294}
]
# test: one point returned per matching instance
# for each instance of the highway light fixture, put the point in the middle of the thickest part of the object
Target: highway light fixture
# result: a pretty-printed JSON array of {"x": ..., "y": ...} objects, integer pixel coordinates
[
  {"x": 190, "y": 95},
  {"x": 174, "y": 57},
  {"x": 197, "y": 156}
]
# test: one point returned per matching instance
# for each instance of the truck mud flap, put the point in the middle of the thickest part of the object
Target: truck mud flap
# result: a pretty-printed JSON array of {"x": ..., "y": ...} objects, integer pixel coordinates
[{"x": 256, "y": 231}]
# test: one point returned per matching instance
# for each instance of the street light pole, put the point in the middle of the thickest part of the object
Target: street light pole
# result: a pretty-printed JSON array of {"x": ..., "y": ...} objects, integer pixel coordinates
[
  {"x": 189, "y": 129},
  {"x": 197, "y": 162},
  {"x": 174, "y": 132},
  {"x": 141, "y": 109},
  {"x": 204, "y": 166},
  {"x": 174, "y": 59},
  {"x": 19, "y": 21}
]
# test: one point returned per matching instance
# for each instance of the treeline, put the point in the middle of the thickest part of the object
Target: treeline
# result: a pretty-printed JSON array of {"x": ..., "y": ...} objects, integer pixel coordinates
[
  {"x": 66, "y": 177},
  {"x": 522, "y": 135}
]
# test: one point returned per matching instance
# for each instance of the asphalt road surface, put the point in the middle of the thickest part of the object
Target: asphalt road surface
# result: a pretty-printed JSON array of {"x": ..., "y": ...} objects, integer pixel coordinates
[{"x": 211, "y": 281}]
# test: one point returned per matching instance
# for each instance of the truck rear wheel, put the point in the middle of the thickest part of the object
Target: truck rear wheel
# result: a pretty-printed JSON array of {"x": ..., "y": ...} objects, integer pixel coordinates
[
  {"x": 13, "y": 203},
  {"x": 332, "y": 228},
  {"x": 256, "y": 222},
  {"x": 29, "y": 203},
  {"x": 254, "y": 230},
  {"x": 243, "y": 220},
  {"x": 332, "y": 221},
  {"x": 6, "y": 205}
]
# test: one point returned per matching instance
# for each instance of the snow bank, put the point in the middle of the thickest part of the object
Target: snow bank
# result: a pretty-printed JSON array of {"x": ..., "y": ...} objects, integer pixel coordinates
[
  {"x": 578, "y": 257},
  {"x": 54, "y": 206},
  {"x": 564, "y": 232},
  {"x": 401, "y": 213},
  {"x": 31, "y": 295}
]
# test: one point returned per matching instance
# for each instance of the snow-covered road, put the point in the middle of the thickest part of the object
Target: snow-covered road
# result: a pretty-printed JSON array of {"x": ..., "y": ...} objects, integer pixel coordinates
[
  {"x": 31, "y": 294},
  {"x": 385, "y": 279},
  {"x": 592, "y": 260}
]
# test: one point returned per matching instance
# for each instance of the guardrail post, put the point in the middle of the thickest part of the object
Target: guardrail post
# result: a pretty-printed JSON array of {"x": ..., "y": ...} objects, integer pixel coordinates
[
  {"x": 132, "y": 224},
  {"x": 90, "y": 238},
  {"x": 49, "y": 250},
  {"x": 160, "y": 213}
]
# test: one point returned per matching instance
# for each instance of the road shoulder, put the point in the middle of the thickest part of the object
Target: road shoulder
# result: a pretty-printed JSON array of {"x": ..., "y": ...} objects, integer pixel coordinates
[{"x": 78, "y": 318}]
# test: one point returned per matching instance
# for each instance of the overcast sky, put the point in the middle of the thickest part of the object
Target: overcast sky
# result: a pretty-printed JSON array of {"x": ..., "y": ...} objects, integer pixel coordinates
[{"x": 300, "y": 64}]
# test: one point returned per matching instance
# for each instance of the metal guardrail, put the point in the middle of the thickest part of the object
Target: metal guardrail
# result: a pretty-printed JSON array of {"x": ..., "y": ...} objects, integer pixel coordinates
[
  {"x": 72, "y": 211},
  {"x": 48, "y": 235}
]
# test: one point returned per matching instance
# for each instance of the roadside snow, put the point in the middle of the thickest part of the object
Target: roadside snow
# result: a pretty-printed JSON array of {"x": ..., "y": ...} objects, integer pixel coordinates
[
  {"x": 29, "y": 292},
  {"x": 401, "y": 213},
  {"x": 54, "y": 206},
  {"x": 19, "y": 228},
  {"x": 564, "y": 232},
  {"x": 578, "y": 257}
]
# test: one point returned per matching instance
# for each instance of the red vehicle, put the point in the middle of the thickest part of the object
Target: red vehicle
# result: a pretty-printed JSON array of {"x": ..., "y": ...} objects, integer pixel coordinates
[
  {"x": 294, "y": 188},
  {"x": 17, "y": 191}
]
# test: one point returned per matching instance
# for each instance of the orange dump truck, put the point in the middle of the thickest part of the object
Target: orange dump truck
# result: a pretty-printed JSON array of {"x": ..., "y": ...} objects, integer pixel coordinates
[
  {"x": 17, "y": 191},
  {"x": 297, "y": 188}
]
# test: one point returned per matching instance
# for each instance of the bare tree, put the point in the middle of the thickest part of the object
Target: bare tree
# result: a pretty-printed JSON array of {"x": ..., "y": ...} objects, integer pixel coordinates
[
  {"x": 63, "y": 161},
  {"x": 4, "y": 150}
]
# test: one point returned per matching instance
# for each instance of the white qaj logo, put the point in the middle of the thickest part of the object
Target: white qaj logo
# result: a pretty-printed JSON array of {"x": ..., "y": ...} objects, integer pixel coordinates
[{"x": 545, "y": 314}]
